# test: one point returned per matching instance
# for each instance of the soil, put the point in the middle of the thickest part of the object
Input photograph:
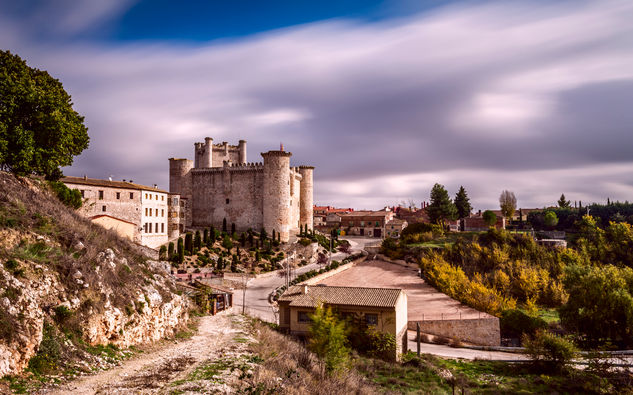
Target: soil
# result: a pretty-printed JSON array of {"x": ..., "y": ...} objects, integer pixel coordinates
[{"x": 170, "y": 368}]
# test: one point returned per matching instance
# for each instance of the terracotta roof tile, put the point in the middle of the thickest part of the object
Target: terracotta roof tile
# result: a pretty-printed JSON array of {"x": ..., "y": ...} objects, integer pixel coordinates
[{"x": 347, "y": 296}]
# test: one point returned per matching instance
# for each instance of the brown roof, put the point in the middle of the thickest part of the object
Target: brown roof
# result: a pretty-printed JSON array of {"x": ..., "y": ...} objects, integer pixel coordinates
[
  {"x": 109, "y": 216},
  {"x": 110, "y": 184},
  {"x": 396, "y": 221},
  {"x": 380, "y": 213},
  {"x": 346, "y": 296}
]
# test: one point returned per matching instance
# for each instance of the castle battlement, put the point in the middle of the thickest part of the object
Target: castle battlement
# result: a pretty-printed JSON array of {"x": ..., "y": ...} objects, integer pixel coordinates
[{"x": 221, "y": 185}]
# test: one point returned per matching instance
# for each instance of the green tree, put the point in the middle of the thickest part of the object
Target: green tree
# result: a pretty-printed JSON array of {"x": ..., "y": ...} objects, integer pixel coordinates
[
  {"x": 263, "y": 235},
  {"x": 549, "y": 351},
  {"x": 508, "y": 203},
  {"x": 462, "y": 203},
  {"x": 197, "y": 241},
  {"x": 600, "y": 304},
  {"x": 550, "y": 219},
  {"x": 257, "y": 257},
  {"x": 220, "y": 263},
  {"x": 39, "y": 130},
  {"x": 189, "y": 243},
  {"x": 162, "y": 253},
  {"x": 562, "y": 203},
  {"x": 328, "y": 339},
  {"x": 70, "y": 197},
  {"x": 205, "y": 236},
  {"x": 224, "y": 228},
  {"x": 170, "y": 250},
  {"x": 232, "y": 229},
  {"x": 227, "y": 243},
  {"x": 441, "y": 208},
  {"x": 490, "y": 218},
  {"x": 181, "y": 250}
]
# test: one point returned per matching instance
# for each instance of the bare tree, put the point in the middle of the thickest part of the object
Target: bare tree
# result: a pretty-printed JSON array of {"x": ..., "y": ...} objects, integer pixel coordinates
[{"x": 508, "y": 203}]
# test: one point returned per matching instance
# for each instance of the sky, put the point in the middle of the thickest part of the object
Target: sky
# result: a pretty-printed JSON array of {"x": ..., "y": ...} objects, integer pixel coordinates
[{"x": 384, "y": 98}]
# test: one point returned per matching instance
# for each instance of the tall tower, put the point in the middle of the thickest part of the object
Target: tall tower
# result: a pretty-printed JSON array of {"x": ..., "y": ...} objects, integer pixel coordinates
[
  {"x": 242, "y": 148},
  {"x": 306, "y": 202},
  {"x": 180, "y": 177},
  {"x": 207, "y": 155},
  {"x": 276, "y": 215}
]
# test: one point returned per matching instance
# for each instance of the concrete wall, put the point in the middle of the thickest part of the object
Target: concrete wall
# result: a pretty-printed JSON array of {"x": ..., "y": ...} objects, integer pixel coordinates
[{"x": 481, "y": 331}]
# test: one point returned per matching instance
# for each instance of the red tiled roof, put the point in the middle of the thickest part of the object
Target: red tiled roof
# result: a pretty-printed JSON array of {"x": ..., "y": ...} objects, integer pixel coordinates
[{"x": 347, "y": 296}]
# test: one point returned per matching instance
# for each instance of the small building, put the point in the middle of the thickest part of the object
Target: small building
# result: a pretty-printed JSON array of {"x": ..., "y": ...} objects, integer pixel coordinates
[
  {"x": 383, "y": 308},
  {"x": 113, "y": 203},
  {"x": 395, "y": 227},
  {"x": 213, "y": 297},
  {"x": 476, "y": 223},
  {"x": 365, "y": 223}
]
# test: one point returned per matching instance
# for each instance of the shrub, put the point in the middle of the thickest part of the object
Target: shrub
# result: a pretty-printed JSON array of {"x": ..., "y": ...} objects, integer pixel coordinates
[
  {"x": 549, "y": 351},
  {"x": 328, "y": 340},
  {"x": 305, "y": 242},
  {"x": 70, "y": 197},
  {"x": 227, "y": 243},
  {"x": 515, "y": 323},
  {"x": 162, "y": 252},
  {"x": 62, "y": 314}
]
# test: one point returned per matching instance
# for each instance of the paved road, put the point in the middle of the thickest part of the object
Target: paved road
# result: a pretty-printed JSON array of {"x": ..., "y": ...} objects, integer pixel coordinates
[
  {"x": 258, "y": 289},
  {"x": 465, "y": 353}
]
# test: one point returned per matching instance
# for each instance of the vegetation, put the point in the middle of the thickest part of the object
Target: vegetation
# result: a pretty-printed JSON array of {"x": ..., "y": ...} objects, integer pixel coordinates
[
  {"x": 70, "y": 197},
  {"x": 327, "y": 339},
  {"x": 549, "y": 352},
  {"x": 489, "y": 217},
  {"x": 508, "y": 203},
  {"x": 462, "y": 203},
  {"x": 39, "y": 130},
  {"x": 441, "y": 208}
]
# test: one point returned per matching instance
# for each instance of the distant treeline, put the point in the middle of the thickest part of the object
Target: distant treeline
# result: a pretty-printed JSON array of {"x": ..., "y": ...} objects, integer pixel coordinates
[{"x": 567, "y": 217}]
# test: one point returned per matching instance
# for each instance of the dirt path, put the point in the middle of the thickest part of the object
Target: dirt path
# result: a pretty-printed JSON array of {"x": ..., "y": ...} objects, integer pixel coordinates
[{"x": 189, "y": 365}]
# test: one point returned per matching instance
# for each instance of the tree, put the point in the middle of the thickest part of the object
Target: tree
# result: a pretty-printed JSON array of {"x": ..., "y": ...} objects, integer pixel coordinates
[
  {"x": 224, "y": 228},
  {"x": 188, "y": 244},
  {"x": 562, "y": 203},
  {"x": 550, "y": 219},
  {"x": 441, "y": 207},
  {"x": 181, "y": 250},
  {"x": 508, "y": 203},
  {"x": 232, "y": 229},
  {"x": 328, "y": 339},
  {"x": 162, "y": 252},
  {"x": 462, "y": 203},
  {"x": 170, "y": 250},
  {"x": 205, "y": 236},
  {"x": 197, "y": 241},
  {"x": 39, "y": 130},
  {"x": 490, "y": 218}
]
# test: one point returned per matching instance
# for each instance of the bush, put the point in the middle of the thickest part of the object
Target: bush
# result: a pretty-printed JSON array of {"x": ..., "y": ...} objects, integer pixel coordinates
[
  {"x": 305, "y": 242},
  {"x": 70, "y": 197},
  {"x": 515, "y": 323},
  {"x": 549, "y": 351},
  {"x": 328, "y": 340}
]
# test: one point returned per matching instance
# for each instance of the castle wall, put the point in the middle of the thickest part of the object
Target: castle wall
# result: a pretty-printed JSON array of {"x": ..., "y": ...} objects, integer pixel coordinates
[
  {"x": 234, "y": 193},
  {"x": 180, "y": 176}
]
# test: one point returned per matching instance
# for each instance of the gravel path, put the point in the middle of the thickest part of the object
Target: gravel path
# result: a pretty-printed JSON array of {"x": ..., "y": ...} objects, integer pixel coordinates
[{"x": 174, "y": 366}]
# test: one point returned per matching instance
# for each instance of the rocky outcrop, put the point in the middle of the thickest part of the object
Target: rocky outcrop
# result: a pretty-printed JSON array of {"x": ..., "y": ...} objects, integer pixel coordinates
[{"x": 33, "y": 294}]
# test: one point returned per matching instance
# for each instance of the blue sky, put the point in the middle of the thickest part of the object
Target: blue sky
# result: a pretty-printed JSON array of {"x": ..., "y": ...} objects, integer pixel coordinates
[{"x": 385, "y": 98}]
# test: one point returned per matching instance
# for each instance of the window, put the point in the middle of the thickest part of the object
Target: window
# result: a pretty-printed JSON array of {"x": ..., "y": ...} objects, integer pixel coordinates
[
  {"x": 145, "y": 196},
  {"x": 162, "y": 212},
  {"x": 83, "y": 193},
  {"x": 162, "y": 198},
  {"x": 145, "y": 227},
  {"x": 156, "y": 197},
  {"x": 103, "y": 208},
  {"x": 146, "y": 211},
  {"x": 175, "y": 201},
  {"x": 131, "y": 195},
  {"x": 377, "y": 223},
  {"x": 100, "y": 195},
  {"x": 227, "y": 201},
  {"x": 118, "y": 195},
  {"x": 362, "y": 223},
  {"x": 156, "y": 227},
  {"x": 162, "y": 228},
  {"x": 150, "y": 196},
  {"x": 303, "y": 316},
  {"x": 149, "y": 227},
  {"x": 371, "y": 319},
  {"x": 351, "y": 223}
]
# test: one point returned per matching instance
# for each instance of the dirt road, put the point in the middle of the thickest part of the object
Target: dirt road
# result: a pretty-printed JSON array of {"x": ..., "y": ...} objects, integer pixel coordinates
[{"x": 203, "y": 363}]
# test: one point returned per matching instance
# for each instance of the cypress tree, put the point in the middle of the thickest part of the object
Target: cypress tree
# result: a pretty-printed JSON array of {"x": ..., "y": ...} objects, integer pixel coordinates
[
  {"x": 243, "y": 239},
  {"x": 263, "y": 235},
  {"x": 197, "y": 241},
  {"x": 205, "y": 236},
  {"x": 181, "y": 250},
  {"x": 232, "y": 229},
  {"x": 257, "y": 258},
  {"x": 274, "y": 234},
  {"x": 188, "y": 243},
  {"x": 220, "y": 263},
  {"x": 170, "y": 250},
  {"x": 224, "y": 225},
  {"x": 250, "y": 239}
]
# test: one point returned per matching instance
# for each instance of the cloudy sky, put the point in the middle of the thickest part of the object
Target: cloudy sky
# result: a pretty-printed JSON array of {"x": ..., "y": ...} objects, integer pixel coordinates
[{"x": 385, "y": 98}]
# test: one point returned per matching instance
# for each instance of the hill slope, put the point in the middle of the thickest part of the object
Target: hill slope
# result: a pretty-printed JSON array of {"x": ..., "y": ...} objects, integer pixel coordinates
[{"x": 67, "y": 284}]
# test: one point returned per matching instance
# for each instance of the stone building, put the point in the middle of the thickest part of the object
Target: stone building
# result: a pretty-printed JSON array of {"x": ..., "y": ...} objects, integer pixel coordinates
[
  {"x": 220, "y": 184},
  {"x": 365, "y": 223},
  {"x": 138, "y": 212}
]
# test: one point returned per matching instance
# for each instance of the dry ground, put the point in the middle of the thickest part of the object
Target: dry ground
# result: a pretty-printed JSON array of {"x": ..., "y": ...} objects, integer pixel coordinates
[
  {"x": 424, "y": 301},
  {"x": 204, "y": 363}
]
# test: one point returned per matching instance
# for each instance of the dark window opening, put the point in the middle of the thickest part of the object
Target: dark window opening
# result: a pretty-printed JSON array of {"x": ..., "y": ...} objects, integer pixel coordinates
[
  {"x": 100, "y": 195},
  {"x": 227, "y": 201},
  {"x": 131, "y": 195},
  {"x": 303, "y": 316},
  {"x": 118, "y": 195},
  {"x": 103, "y": 208}
]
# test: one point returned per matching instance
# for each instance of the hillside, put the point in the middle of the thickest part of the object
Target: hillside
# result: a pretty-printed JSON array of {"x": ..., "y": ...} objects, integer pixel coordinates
[{"x": 68, "y": 286}]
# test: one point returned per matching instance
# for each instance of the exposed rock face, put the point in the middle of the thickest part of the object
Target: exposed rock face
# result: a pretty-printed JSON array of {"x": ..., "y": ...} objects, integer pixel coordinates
[{"x": 35, "y": 294}]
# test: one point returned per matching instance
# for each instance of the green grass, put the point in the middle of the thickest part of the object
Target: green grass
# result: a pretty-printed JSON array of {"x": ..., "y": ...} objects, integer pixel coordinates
[{"x": 549, "y": 315}]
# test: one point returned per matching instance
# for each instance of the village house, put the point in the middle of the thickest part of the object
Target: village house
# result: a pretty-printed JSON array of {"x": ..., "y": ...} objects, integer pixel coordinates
[
  {"x": 328, "y": 216},
  {"x": 365, "y": 223},
  {"x": 476, "y": 223},
  {"x": 395, "y": 227},
  {"x": 137, "y": 212},
  {"x": 384, "y": 309}
]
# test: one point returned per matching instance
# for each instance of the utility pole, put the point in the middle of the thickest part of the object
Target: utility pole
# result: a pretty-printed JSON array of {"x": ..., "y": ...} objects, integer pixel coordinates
[{"x": 245, "y": 283}]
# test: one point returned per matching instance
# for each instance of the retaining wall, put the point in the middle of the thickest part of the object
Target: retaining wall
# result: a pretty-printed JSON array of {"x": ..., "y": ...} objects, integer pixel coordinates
[
  {"x": 481, "y": 331},
  {"x": 323, "y": 276}
]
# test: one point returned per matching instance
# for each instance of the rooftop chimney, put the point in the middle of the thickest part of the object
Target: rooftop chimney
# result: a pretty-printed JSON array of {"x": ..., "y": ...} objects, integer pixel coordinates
[
  {"x": 281, "y": 146},
  {"x": 304, "y": 289}
]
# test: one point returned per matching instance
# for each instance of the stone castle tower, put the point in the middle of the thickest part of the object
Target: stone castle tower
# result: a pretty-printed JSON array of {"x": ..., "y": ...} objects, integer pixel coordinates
[{"x": 220, "y": 184}]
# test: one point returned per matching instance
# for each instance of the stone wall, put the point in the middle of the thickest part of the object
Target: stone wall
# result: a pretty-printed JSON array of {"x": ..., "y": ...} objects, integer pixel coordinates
[
  {"x": 276, "y": 210},
  {"x": 320, "y": 277},
  {"x": 480, "y": 331}
]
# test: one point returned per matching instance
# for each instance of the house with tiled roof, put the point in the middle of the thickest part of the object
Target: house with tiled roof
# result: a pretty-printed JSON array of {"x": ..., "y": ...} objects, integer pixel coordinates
[
  {"x": 384, "y": 309},
  {"x": 146, "y": 215}
]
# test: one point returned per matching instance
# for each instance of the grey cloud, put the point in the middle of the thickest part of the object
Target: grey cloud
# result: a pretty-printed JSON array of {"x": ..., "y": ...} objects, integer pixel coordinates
[{"x": 487, "y": 95}]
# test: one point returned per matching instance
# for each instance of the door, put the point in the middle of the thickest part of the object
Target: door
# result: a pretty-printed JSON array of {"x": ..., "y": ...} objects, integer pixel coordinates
[{"x": 377, "y": 232}]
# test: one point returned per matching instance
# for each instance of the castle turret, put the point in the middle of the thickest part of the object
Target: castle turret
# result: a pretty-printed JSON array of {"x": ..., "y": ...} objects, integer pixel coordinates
[
  {"x": 306, "y": 215},
  {"x": 276, "y": 215},
  {"x": 207, "y": 155},
  {"x": 180, "y": 176},
  {"x": 242, "y": 149}
]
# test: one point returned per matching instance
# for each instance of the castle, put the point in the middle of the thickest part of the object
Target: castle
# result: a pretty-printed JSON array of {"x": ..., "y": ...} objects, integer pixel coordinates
[{"x": 220, "y": 184}]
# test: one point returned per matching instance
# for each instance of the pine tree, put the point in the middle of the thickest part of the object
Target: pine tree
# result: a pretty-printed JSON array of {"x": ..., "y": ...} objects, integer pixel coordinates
[
  {"x": 441, "y": 207},
  {"x": 462, "y": 203},
  {"x": 563, "y": 203}
]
